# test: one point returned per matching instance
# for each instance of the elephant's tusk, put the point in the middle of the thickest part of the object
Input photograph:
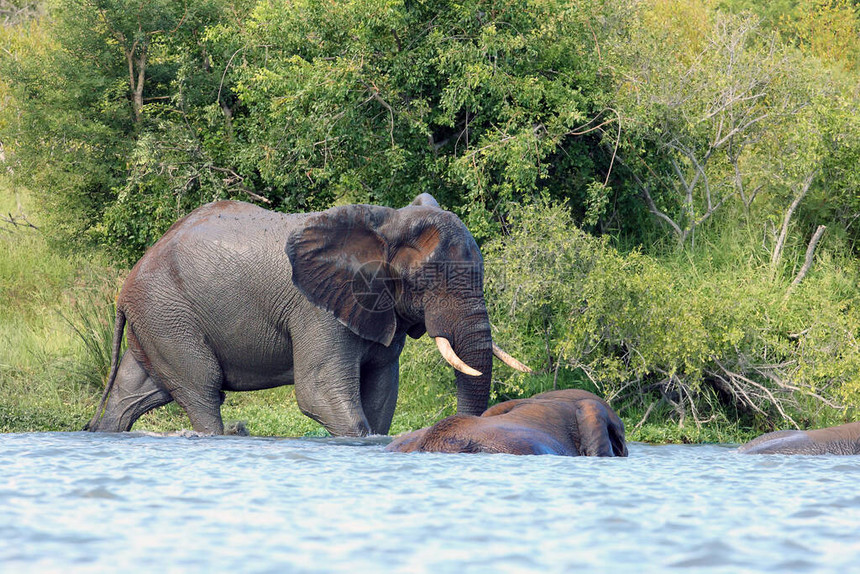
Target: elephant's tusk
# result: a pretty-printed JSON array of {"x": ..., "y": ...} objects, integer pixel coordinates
[
  {"x": 448, "y": 353},
  {"x": 509, "y": 360}
]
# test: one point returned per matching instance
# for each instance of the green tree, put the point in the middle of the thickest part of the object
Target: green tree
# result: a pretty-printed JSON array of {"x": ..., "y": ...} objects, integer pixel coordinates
[
  {"x": 106, "y": 77},
  {"x": 719, "y": 117},
  {"x": 135, "y": 28},
  {"x": 475, "y": 102}
]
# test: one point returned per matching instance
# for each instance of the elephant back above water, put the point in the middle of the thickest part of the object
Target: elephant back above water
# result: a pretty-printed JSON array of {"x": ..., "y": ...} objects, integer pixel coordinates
[
  {"x": 842, "y": 440},
  {"x": 570, "y": 422},
  {"x": 237, "y": 298}
]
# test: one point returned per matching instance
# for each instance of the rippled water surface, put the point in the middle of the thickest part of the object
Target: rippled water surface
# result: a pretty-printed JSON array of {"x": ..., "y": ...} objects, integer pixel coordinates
[{"x": 78, "y": 502}]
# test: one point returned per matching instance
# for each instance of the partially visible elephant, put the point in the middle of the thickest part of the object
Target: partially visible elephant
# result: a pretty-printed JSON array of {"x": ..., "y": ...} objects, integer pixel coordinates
[
  {"x": 238, "y": 298},
  {"x": 842, "y": 439},
  {"x": 569, "y": 422}
]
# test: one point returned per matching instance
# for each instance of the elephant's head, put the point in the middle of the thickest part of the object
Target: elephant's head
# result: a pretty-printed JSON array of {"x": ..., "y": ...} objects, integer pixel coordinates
[{"x": 383, "y": 271}]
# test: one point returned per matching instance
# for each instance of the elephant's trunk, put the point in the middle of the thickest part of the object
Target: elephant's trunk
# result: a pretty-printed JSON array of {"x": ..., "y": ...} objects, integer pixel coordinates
[{"x": 466, "y": 326}]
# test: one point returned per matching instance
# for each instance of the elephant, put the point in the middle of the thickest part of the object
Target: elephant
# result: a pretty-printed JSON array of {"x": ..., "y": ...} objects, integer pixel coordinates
[
  {"x": 235, "y": 297},
  {"x": 570, "y": 422},
  {"x": 842, "y": 439}
]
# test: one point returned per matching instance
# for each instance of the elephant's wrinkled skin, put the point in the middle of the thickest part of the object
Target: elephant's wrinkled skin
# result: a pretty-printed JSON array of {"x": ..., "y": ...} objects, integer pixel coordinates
[
  {"x": 237, "y": 298},
  {"x": 569, "y": 422},
  {"x": 842, "y": 439}
]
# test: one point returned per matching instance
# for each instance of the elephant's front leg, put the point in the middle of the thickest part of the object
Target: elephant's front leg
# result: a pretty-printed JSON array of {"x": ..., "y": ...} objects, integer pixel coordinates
[
  {"x": 328, "y": 390},
  {"x": 379, "y": 386}
]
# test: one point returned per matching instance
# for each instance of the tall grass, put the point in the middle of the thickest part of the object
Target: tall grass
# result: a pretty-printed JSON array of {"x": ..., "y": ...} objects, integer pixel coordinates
[{"x": 42, "y": 386}]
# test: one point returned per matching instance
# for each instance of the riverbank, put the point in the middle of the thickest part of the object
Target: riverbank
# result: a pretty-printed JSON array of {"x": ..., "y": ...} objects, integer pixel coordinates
[{"x": 56, "y": 324}]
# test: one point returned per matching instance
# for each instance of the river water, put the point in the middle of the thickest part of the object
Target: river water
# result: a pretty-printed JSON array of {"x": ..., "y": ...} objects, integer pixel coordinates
[{"x": 82, "y": 502}]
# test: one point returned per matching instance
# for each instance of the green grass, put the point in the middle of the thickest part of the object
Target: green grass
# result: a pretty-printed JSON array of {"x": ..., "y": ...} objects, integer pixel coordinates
[
  {"x": 662, "y": 433},
  {"x": 44, "y": 383}
]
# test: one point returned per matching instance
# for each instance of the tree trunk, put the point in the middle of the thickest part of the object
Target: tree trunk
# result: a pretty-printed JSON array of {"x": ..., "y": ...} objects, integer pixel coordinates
[{"x": 136, "y": 78}]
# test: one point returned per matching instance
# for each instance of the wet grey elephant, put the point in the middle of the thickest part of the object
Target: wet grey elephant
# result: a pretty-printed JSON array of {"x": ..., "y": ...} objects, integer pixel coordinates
[
  {"x": 238, "y": 298},
  {"x": 570, "y": 422},
  {"x": 842, "y": 439}
]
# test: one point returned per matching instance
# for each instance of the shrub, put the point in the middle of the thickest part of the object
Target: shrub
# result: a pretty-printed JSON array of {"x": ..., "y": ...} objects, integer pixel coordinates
[{"x": 645, "y": 334}]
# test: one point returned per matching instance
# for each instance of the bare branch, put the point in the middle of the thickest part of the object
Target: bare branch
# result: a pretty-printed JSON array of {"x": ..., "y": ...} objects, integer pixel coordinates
[
  {"x": 17, "y": 221},
  {"x": 739, "y": 129},
  {"x": 12, "y": 14},
  {"x": 374, "y": 94},
  {"x": 223, "y": 75},
  {"x": 761, "y": 388},
  {"x": 647, "y": 412},
  {"x": 731, "y": 102},
  {"x": 711, "y": 210},
  {"x": 614, "y": 151},
  {"x": 652, "y": 207},
  {"x": 253, "y": 195},
  {"x": 233, "y": 181},
  {"x": 810, "y": 254},
  {"x": 780, "y": 243}
]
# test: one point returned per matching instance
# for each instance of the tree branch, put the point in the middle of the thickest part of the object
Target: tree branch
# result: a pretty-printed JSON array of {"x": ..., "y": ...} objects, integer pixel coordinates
[
  {"x": 810, "y": 254},
  {"x": 652, "y": 207},
  {"x": 780, "y": 243},
  {"x": 16, "y": 222},
  {"x": 374, "y": 94}
]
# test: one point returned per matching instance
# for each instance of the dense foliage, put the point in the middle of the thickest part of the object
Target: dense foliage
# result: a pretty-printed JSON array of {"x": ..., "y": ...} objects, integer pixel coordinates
[
  {"x": 691, "y": 334},
  {"x": 675, "y": 184}
]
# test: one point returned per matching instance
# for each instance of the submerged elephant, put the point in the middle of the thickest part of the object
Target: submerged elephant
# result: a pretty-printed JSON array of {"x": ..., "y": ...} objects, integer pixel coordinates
[
  {"x": 238, "y": 298},
  {"x": 842, "y": 439},
  {"x": 570, "y": 422}
]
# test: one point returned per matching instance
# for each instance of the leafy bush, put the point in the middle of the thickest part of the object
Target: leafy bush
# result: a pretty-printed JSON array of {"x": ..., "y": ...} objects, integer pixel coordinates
[
  {"x": 698, "y": 336},
  {"x": 304, "y": 105}
]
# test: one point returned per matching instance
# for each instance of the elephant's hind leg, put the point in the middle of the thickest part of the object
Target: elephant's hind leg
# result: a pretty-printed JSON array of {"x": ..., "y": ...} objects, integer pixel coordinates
[
  {"x": 133, "y": 393},
  {"x": 193, "y": 377}
]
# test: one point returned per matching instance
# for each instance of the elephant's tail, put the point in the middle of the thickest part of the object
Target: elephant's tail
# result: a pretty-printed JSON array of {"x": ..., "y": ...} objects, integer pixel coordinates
[{"x": 119, "y": 328}]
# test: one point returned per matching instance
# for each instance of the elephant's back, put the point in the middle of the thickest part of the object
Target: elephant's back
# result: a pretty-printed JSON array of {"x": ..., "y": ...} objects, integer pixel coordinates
[
  {"x": 843, "y": 439},
  {"x": 223, "y": 259},
  {"x": 219, "y": 276},
  {"x": 779, "y": 442},
  {"x": 223, "y": 220},
  {"x": 218, "y": 239}
]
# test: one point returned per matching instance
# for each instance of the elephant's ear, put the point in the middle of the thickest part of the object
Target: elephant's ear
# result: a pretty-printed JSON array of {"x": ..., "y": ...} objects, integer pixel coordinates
[
  {"x": 425, "y": 199},
  {"x": 339, "y": 264},
  {"x": 592, "y": 426}
]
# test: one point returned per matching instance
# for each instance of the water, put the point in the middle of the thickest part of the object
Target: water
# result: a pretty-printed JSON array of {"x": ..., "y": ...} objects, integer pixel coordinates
[{"x": 78, "y": 502}]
